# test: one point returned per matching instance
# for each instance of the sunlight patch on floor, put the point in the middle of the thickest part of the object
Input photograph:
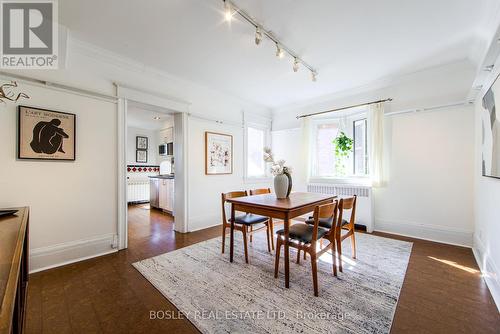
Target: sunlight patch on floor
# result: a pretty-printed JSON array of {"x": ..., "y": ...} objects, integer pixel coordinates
[{"x": 455, "y": 265}]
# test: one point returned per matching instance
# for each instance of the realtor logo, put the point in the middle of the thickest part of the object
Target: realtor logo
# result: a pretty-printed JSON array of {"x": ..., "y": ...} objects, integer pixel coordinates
[{"x": 29, "y": 34}]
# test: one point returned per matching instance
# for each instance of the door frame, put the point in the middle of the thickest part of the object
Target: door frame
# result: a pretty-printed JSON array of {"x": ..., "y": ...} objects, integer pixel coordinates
[{"x": 181, "y": 119}]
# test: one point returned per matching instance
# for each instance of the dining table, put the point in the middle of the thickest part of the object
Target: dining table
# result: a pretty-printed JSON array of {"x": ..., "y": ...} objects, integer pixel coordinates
[{"x": 297, "y": 204}]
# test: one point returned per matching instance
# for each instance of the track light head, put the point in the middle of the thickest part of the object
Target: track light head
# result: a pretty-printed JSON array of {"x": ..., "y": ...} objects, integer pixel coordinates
[
  {"x": 279, "y": 51},
  {"x": 314, "y": 76},
  {"x": 228, "y": 11},
  {"x": 295, "y": 64},
  {"x": 258, "y": 35}
]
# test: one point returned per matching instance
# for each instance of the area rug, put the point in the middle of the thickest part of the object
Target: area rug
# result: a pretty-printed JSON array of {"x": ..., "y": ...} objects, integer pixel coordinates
[{"x": 222, "y": 297}]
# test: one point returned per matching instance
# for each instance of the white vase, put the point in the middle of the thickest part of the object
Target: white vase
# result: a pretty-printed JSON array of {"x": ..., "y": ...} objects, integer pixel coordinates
[{"x": 281, "y": 186}]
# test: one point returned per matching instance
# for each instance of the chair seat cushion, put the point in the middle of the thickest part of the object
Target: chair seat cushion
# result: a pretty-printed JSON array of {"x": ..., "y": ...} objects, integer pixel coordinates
[
  {"x": 303, "y": 232},
  {"x": 323, "y": 222},
  {"x": 250, "y": 219}
]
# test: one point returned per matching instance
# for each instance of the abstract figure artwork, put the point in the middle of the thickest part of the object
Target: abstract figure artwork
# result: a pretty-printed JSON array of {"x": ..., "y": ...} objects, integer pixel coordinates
[
  {"x": 490, "y": 138},
  {"x": 7, "y": 92},
  {"x": 45, "y": 134},
  {"x": 218, "y": 153}
]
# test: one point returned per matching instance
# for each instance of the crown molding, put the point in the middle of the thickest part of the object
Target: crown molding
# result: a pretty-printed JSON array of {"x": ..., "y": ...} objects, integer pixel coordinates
[{"x": 104, "y": 56}]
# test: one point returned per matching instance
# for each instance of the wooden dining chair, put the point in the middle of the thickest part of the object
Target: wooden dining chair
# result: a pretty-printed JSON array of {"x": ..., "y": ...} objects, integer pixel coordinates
[
  {"x": 243, "y": 222},
  {"x": 271, "y": 225},
  {"x": 304, "y": 237},
  {"x": 345, "y": 204}
]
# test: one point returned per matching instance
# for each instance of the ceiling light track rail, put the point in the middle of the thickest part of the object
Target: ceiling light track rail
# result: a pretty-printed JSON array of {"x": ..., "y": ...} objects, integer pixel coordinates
[{"x": 231, "y": 9}]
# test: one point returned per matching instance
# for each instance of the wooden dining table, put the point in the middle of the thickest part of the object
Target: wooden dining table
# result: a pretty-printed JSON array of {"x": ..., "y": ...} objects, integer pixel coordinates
[{"x": 297, "y": 204}]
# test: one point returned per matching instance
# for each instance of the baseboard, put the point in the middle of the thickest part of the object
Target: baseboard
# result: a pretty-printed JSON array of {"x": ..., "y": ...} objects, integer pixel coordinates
[
  {"x": 488, "y": 269},
  {"x": 434, "y": 233},
  {"x": 44, "y": 258}
]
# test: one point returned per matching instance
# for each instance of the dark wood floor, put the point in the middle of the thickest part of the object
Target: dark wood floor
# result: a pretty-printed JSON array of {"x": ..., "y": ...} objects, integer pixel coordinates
[{"x": 442, "y": 292}]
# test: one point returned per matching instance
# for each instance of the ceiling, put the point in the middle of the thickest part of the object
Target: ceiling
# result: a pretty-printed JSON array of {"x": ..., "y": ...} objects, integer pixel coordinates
[
  {"x": 143, "y": 116},
  {"x": 351, "y": 43}
]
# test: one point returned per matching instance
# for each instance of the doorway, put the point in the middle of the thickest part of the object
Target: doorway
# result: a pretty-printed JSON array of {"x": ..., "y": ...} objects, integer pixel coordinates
[{"x": 150, "y": 173}]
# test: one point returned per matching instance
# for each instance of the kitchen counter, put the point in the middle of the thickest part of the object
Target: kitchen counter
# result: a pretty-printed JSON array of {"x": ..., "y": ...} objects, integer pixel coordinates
[{"x": 168, "y": 176}]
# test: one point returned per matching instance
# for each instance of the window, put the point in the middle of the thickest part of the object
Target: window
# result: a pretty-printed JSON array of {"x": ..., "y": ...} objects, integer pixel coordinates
[
  {"x": 360, "y": 147},
  {"x": 256, "y": 140},
  {"x": 324, "y": 163}
]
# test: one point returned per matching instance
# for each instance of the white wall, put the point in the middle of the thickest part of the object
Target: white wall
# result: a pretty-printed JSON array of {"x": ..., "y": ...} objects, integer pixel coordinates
[
  {"x": 71, "y": 202},
  {"x": 429, "y": 160},
  {"x": 205, "y": 190},
  {"x": 152, "y": 135},
  {"x": 486, "y": 209},
  {"x": 428, "y": 155}
]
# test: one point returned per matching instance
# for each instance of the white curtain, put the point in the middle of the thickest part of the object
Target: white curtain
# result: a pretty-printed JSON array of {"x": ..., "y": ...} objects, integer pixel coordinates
[
  {"x": 306, "y": 145},
  {"x": 376, "y": 133}
]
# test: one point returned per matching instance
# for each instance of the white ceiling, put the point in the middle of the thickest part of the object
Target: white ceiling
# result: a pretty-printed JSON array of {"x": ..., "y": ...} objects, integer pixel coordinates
[
  {"x": 351, "y": 43},
  {"x": 142, "y": 117}
]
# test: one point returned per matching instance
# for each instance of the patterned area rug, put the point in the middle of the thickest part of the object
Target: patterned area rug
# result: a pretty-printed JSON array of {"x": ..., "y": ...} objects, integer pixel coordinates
[{"x": 222, "y": 297}]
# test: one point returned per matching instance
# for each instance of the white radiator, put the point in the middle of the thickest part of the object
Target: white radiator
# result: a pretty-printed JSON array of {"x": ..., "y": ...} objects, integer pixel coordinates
[
  {"x": 364, "y": 202},
  {"x": 137, "y": 191}
]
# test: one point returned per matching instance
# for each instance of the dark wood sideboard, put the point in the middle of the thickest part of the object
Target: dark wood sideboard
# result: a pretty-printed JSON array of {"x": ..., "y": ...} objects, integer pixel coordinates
[{"x": 14, "y": 251}]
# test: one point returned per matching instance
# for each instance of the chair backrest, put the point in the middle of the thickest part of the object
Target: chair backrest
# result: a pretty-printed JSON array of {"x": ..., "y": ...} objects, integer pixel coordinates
[
  {"x": 328, "y": 211},
  {"x": 260, "y": 191},
  {"x": 225, "y": 196},
  {"x": 348, "y": 203}
]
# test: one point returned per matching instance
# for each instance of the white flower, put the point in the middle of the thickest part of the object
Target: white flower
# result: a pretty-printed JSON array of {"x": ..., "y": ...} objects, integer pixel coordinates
[{"x": 277, "y": 168}]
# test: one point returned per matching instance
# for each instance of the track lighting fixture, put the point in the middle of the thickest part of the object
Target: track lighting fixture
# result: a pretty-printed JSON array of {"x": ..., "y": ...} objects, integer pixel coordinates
[
  {"x": 279, "y": 51},
  {"x": 230, "y": 9},
  {"x": 295, "y": 64},
  {"x": 258, "y": 36},
  {"x": 313, "y": 76}
]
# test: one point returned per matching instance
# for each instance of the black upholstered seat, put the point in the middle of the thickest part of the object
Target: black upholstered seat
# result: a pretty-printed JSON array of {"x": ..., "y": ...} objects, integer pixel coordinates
[
  {"x": 250, "y": 219},
  {"x": 303, "y": 232},
  {"x": 325, "y": 222}
]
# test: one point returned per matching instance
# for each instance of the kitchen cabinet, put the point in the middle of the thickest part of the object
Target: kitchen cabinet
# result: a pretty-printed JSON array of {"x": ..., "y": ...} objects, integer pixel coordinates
[
  {"x": 166, "y": 135},
  {"x": 166, "y": 194}
]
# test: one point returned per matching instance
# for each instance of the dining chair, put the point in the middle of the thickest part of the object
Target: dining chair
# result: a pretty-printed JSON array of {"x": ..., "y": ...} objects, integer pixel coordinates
[
  {"x": 304, "y": 237},
  {"x": 346, "y": 204},
  {"x": 271, "y": 224},
  {"x": 242, "y": 222}
]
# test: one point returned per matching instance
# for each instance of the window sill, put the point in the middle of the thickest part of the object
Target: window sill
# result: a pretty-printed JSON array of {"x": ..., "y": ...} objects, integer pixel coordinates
[{"x": 355, "y": 181}]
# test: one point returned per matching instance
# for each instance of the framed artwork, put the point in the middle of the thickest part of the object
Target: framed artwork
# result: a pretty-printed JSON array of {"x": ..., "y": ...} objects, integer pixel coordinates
[
  {"x": 218, "y": 153},
  {"x": 46, "y": 134},
  {"x": 490, "y": 145},
  {"x": 141, "y": 143},
  {"x": 141, "y": 156}
]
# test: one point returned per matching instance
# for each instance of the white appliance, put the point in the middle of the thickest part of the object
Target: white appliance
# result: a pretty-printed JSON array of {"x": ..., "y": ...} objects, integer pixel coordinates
[{"x": 166, "y": 167}]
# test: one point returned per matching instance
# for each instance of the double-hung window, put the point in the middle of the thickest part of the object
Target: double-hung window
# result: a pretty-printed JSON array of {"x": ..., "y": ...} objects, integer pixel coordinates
[
  {"x": 325, "y": 162},
  {"x": 256, "y": 138}
]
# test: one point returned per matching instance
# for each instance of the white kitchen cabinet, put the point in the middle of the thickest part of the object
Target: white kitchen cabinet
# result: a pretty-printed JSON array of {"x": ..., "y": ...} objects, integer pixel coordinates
[
  {"x": 166, "y": 135},
  {"x": 166, "y": 194}
]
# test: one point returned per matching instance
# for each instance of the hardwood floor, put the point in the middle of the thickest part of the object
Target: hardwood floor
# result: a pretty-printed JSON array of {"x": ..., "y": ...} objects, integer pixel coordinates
[{"x": 442, "y": 292}]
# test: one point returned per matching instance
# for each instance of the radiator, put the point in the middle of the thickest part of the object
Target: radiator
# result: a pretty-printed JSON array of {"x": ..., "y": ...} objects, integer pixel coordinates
[
  {"x": 137, "y": 191},
  {"x": 364, "y": 202}
]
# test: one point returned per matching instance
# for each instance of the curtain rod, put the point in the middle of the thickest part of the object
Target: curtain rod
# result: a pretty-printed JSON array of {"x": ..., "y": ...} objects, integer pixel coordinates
[{"x": 344, "y": 108}]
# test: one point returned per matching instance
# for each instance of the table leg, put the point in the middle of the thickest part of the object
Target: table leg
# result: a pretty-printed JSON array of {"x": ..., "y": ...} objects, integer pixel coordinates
[
  {"x": 231, "y": 239},
  {"x": 287, "y": 253}
]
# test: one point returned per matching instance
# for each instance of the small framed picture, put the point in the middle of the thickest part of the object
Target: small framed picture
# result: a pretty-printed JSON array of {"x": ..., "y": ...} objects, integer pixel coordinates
[
  {"x": 45, "y": 134},
  {"x": 141, "y": 156},
  {"x": 141, "y": 143},
  {"x": 218, "y": 153}
]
